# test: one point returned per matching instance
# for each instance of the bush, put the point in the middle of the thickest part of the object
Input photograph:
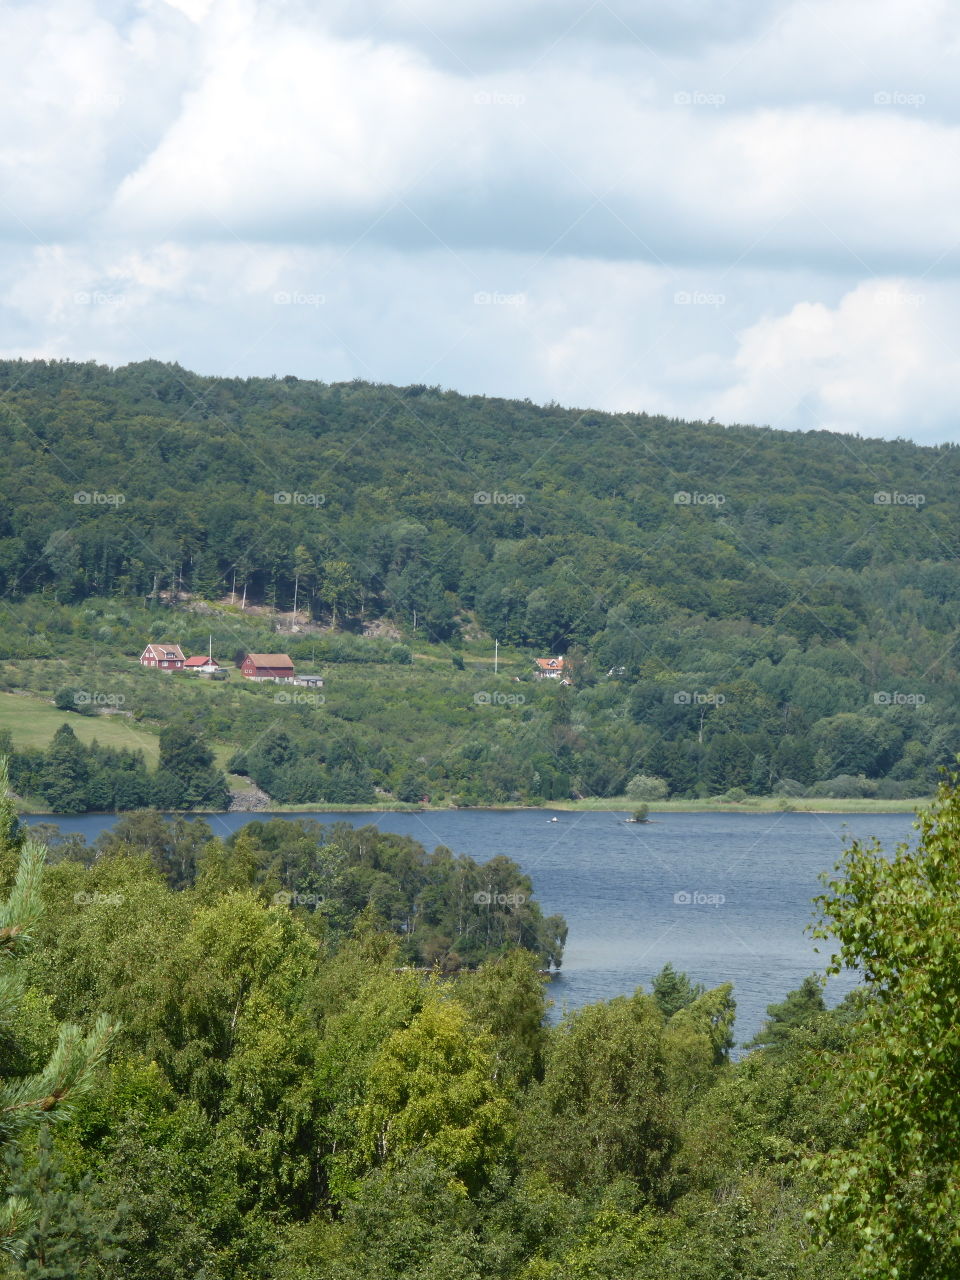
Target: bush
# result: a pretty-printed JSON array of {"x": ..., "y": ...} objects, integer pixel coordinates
[
  {"x": 889, "y": 789},
  {"x": 845, "y": 787},
  {"x": 68, "y": 700},
  {"x": 646, "y": 787},
  {"x": 789, "y": 787}
]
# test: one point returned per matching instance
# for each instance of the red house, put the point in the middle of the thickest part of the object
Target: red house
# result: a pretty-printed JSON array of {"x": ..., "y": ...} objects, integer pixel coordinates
[
  {"x": 549, "y": 668},
  {"x": 165, "y": 657},
  {"x": 267, "y": 666}
]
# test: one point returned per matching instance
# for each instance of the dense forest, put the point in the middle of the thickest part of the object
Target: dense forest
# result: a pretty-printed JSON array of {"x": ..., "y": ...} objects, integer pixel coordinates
[
  {"x": 742, "y": 610},
  {"x": 205, "y": 1074},
  {"x": 446, "y": 910}
]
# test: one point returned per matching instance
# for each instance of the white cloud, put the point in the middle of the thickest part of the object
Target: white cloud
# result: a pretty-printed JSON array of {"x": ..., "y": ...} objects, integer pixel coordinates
[
  {"x": 884, "y": 361},
  {"x": 794, "y": 159}
]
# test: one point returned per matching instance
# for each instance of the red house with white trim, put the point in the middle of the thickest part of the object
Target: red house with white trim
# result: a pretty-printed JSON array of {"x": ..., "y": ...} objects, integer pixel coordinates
[
  {"x": 164, "y": 657},
  {"x": 549, "y": 668},
  {"x": 267, "y": 666}
]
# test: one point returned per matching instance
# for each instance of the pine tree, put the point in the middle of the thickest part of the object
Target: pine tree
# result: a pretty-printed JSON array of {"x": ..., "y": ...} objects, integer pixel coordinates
[
  {"x": 73, "y": 1233},
  {"x": 28, "y": 1100},
  {"x": 799, "y": 1008},
  {"x": 674, "y": 991}
]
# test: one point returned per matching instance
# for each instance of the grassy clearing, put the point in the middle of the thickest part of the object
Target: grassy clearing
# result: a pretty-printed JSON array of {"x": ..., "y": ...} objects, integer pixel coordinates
[
  {"x": 754, "y": 804},
  {"x": 32, "y": 723},
  {"x": 618, "y": 804}
]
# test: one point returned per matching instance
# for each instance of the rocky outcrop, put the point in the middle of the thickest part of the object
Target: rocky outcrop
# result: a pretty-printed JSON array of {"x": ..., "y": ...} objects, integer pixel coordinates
[{"x": 250, "y": 800}]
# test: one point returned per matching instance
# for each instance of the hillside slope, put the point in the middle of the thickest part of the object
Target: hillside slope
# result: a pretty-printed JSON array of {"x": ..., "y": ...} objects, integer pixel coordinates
[{"x": 742, "y": 608}]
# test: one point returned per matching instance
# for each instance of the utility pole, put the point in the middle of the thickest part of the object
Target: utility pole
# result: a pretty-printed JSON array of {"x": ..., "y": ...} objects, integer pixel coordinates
[{"x": 496, "y": 655}]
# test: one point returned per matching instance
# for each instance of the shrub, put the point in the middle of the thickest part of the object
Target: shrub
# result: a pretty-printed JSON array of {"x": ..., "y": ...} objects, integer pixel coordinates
[
  {"x": 646, "y": 787},
  {"x": 845, "y": 787}
]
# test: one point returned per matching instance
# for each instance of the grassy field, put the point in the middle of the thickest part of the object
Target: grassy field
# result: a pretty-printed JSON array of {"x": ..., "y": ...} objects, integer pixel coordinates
[
  {"x": 753, "y": 804},
  {"x": 619, "y": 804},
  {"x": 32, "y": 723}
]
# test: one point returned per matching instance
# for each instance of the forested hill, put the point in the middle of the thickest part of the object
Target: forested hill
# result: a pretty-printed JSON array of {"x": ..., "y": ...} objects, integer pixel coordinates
[
  {"x": 777, "y": 581},
  {"x": 582, "y": 504}
]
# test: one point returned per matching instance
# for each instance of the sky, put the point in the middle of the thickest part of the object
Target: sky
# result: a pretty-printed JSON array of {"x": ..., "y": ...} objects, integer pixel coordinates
[{"x": 746, "y": 210}]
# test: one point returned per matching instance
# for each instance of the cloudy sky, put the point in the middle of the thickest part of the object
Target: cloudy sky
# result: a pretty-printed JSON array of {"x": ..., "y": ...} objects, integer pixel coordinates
[{"x": 739, "y": 209}]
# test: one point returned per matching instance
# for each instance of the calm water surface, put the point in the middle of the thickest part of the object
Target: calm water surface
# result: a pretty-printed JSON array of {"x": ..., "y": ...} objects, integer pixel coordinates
[{"x": 724, "y": 896}]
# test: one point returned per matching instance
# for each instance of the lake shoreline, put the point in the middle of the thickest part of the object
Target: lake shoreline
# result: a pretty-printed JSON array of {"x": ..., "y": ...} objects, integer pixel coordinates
[{"x": 762, "y": 806}]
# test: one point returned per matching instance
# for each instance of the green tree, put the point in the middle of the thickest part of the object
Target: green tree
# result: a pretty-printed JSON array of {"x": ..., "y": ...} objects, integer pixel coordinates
[
  {"x": 431, "y": 1091},
  {"x": 797, "y": 1010},
  {"x": 26, "y": 1100},
  {"x": 604, "y": 1108},
  {"x": 339, "y": 589},
  {"x": 506, "y": 997},
  {"x": 74, "y": 1234},
  {"x": 673, "y": 991},
  {"x": 896, "y": 1191},
  {"x": 186, "y": 777}
]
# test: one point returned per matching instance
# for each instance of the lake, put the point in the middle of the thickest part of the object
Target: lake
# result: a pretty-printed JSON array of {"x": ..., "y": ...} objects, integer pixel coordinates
[{"x": 724, "y": 896}]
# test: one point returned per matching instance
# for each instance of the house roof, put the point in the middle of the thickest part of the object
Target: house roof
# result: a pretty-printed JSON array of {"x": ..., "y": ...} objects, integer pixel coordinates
[
  {"x": 199, "y": 662},
  {"x": 549, "y": 664},
  {"x": 162, "y": 651},
  {"x": 270, "y": 660}
]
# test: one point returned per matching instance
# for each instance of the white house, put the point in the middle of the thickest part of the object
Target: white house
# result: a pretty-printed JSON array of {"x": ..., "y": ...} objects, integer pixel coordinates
[{"x": 549, "y": 668}]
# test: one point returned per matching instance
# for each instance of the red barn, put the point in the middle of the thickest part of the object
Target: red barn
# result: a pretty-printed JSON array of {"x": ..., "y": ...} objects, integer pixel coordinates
[
  {"x": 267, "y": 666},
  {"x": 165, "y": 657}
]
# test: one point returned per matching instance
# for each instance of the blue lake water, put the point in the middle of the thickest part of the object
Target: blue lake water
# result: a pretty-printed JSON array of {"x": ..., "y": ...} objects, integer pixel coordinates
[{"x": 724, "y": 896}]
